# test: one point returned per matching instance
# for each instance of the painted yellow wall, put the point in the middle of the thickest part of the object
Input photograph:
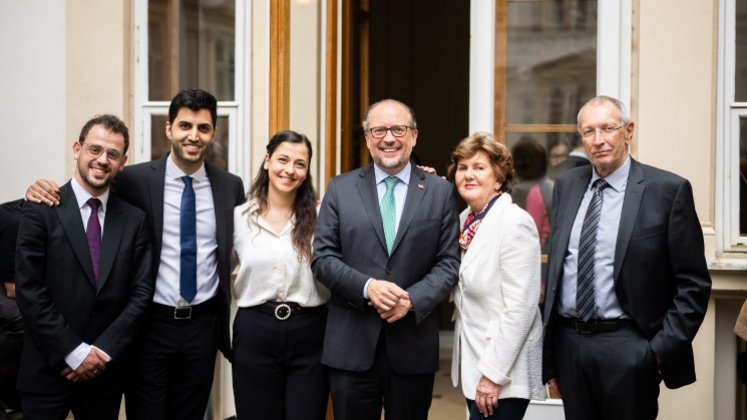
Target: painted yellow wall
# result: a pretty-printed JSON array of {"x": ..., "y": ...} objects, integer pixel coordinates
[
  {"x": 99, "y": 64},
  {"x": 674, "y": 103}
]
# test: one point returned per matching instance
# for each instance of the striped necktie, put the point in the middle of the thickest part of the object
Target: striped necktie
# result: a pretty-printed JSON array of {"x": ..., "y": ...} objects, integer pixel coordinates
[{"x": 587, "y": 244}]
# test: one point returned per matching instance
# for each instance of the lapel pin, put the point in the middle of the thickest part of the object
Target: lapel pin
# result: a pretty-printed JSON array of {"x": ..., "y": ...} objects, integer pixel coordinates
[{"x": 421, "y": 186}]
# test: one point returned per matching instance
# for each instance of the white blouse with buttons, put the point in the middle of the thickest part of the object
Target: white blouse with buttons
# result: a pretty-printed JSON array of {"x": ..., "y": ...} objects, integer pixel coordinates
[{"x": 270, "y": 268}]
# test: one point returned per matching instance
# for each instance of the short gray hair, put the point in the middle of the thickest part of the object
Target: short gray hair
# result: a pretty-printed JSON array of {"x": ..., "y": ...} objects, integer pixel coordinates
[{"x": 622, "y": 110}]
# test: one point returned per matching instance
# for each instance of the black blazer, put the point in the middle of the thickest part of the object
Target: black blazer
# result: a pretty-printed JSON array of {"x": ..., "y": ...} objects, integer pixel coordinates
[
  {"x": 349, "y": 248},
  {"x": 142, "y": 185},
  {"x": 661, "y": 277},
  {"x": 57, "y": 293}
]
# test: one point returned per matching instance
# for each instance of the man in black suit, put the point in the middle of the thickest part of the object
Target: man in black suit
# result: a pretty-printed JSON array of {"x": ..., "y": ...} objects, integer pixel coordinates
[
  {"x": 387, "y": 265},
  {"x": 627, "y": 285},
  {"x": 83, "y": 285},
  {"x": 174, "y": 358}
]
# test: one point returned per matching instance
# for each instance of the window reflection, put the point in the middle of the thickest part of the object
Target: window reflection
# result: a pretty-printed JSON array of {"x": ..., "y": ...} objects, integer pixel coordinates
[
  {"x": 191, "y": 44},
  {"x": 740, "y": 56},
  {"x": 743, "y": 176},
  {"x": 551, "y": 60}
]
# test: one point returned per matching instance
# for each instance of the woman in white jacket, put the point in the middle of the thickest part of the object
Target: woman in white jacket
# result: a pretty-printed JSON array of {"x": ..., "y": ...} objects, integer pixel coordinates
[{"x": 498, "y": 331}]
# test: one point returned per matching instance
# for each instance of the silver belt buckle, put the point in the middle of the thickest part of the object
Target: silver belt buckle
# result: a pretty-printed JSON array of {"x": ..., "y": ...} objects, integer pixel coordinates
[
  {"x": 183, "y": 312},
  {"x": 282, "y": 311}
]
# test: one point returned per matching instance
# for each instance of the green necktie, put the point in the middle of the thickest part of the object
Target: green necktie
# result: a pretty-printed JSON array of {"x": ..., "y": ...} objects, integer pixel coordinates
[{"x": 389, "y": 212}]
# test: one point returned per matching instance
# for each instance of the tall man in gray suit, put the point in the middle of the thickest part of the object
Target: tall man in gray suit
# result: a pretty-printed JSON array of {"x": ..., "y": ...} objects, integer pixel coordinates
[
  {"x": 627, "y": 283},
  {"x": 386, "y": 247}
]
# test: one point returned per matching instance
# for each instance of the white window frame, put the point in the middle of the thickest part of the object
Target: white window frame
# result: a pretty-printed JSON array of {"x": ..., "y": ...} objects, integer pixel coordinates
[
  {"x": 729, "y": 113},
  {"x": 145, "y": 109}
]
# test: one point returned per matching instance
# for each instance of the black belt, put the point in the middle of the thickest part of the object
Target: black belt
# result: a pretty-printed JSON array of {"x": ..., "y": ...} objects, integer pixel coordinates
[
  {"x": 185, "y": 312},
  {"x": 283, "y": 310},
  {"x": 595, "y": 326}
]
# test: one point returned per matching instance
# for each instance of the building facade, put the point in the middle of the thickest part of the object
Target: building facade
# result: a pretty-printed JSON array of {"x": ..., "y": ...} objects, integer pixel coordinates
[{"x": 513, "y": 67}]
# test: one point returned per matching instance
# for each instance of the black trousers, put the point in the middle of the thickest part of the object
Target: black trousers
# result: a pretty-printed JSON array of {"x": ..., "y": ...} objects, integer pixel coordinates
[
  {"x": 277, "y": 369},
  {"x": 360, "y": 395},
  {"x": 606, "y": 376},
  {"x": 508, "y": 409},
  {"x": 171, "y": 371},
  {"x": 95, "y": 399}
]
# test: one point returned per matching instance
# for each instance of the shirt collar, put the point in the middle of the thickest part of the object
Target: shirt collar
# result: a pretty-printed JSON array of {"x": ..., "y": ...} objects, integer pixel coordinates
[
  {"x": 403, "y": 175},
  {"x": 616, "y": 179},
  {"x": 173, "y": 171},
  {"x": 82, "y": 196}
]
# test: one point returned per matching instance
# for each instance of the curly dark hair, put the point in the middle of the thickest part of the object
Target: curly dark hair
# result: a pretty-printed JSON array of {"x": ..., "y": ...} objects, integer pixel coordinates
[{"x": 304, "y": 206}]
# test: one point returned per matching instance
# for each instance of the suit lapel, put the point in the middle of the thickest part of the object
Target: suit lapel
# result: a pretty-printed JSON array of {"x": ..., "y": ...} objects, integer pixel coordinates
[
  {"x": 631, "y": 203},
  {"x": 415, "y": 193},
  {"x": 156, "y": 183},
  {"x": 569, "y": 206},
  {"x": 367, "y": 190},
  {"x": 114, "y": 225},
  {"x": 219, "y": 206},
  {"x": 69, "y": 215}
]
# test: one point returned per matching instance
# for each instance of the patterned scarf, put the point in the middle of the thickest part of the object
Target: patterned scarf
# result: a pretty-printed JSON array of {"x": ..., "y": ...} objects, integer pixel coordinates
[{"x": 473, "y": 221}]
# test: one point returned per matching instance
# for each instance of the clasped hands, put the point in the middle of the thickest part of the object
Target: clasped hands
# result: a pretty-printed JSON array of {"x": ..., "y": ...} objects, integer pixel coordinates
[
  {"x": 91, "y": 367},
  {"x": 391, "y": 301}
]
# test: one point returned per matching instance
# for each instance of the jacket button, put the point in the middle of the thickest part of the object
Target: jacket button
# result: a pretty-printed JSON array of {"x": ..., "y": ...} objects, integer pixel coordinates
[{"x": 389, "y": 270}]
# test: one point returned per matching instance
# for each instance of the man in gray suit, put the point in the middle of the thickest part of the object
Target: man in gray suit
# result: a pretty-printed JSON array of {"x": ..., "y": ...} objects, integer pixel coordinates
[{"x": 386, "y": 247}]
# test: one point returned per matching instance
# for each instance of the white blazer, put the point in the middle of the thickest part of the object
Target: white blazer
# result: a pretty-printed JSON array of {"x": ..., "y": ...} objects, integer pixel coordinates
[{"x": 498, "y": 331}]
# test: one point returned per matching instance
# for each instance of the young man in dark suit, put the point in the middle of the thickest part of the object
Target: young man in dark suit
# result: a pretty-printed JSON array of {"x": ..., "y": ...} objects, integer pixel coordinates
[
  {"x": 627, "y": 283},
  {"x": 83, "y": 283},
  {"x": 189, "y": 204},
  {"x": 387, "y": 265}
]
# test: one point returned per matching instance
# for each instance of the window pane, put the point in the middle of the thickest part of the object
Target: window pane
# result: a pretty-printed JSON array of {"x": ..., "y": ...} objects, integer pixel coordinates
[
  {"x": 740, "y": 64},
  {"x": 551, "y": 60},
  {"x": 217, "y": 153},
  {"x": 743, "y": 176},
  {"x": 191, "y": 44}
]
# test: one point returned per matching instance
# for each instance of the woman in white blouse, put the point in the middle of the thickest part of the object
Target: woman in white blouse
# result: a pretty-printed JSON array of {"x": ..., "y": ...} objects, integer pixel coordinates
[
  {"x": 279, "y": 328},
  {"x": 498, "y": 331}
]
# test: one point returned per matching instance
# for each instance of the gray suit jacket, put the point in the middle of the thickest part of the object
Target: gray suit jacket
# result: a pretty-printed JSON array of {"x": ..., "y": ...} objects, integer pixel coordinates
[
  {"x": 349, "y": 248},
  {"x": 660, "y": 273}
]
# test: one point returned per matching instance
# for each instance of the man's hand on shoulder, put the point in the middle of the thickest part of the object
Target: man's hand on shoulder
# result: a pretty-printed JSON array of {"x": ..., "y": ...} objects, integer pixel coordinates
[{"x": 44, "y": 191}]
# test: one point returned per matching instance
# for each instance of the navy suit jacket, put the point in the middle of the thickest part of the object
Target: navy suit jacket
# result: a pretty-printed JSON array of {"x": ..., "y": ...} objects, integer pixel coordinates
[
  {"x": 660, "y": 272},
  {"x": 142, "y": 185},
  {"x": 57, "y": 293},
  {"x": 349, "y": 248}
]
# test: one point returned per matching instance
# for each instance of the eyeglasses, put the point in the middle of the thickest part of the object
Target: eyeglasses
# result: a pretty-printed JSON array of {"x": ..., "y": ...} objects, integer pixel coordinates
[
  {"x": 396, "y": 130},
  {"x": 95, "y": 150},
  {"x": 605, "y": 131}
]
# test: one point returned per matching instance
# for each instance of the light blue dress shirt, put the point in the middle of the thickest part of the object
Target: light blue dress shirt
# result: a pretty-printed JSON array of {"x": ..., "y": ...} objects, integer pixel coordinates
[{"x": 607, "y": 305}]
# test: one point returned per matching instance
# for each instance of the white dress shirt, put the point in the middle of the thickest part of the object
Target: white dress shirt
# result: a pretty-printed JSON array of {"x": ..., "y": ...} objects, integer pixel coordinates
[
  {"x": 607, "y": 305},
  {"x": 270, "y": 268},
  {"x": 76, "y": 357},
  {"x": 167, "y": 283}
]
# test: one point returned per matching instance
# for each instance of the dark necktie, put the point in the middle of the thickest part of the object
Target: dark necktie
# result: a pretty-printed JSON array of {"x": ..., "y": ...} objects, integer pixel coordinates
[
  {"x": 388, "y": 210},
  {"x": 93, "y": 235},
  {"x": 587, "y": 244},
  {"x": 188, "y": 239}
]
